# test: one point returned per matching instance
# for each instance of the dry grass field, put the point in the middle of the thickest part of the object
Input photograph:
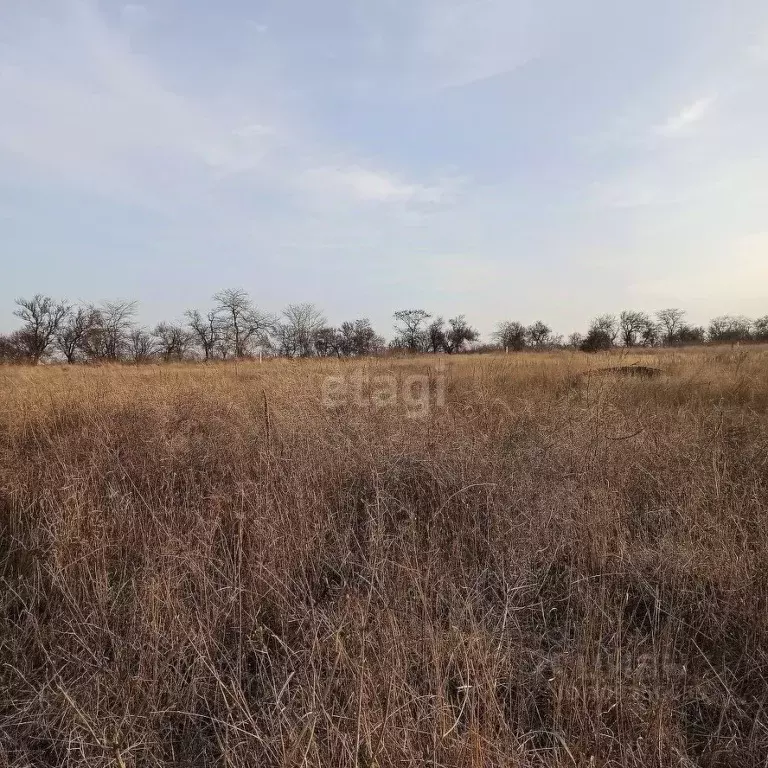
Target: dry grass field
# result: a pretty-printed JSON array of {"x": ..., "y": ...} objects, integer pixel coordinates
[{"x": 216, "y": 566}]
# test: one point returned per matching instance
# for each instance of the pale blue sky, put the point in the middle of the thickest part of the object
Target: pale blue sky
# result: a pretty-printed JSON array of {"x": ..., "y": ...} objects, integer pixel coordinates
[{"x": 517, "y": 159}]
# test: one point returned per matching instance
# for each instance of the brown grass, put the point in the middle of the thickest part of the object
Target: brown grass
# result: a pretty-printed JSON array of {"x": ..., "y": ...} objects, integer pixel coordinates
[{"x": 202, "y": 565}]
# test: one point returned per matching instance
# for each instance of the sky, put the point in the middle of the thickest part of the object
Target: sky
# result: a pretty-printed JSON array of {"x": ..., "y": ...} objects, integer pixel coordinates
[{"x": 504, "y": 159}]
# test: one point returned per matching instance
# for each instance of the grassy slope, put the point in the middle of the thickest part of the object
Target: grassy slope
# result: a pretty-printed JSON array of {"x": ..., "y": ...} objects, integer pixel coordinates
[{"x": 202, "y": 565}]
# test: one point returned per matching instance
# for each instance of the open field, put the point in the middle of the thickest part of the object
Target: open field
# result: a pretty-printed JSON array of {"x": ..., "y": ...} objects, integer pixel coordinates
[{"x": 216, "y": 565}]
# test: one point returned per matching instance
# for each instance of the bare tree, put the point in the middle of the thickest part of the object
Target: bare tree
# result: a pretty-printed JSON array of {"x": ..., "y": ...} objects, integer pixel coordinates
[
  {"x": 14, "y": 348},
  {"x": 730, "y": 329},
  {"x": 347, "y": 340},
  {"x": 510, "y": 334},
  {"x": 297, "y": 332},
  {"x": 244, "y": 326},
  {"x": 358, "y": 338},
  {"x": 140, "y": 345},
  {"x": 671, "y": 321},
  {"x": 352, "y": 338},
  {"x": 632, "y": 324},
  {"x": 72, "y": 335},
  {"x": 109, "y": 338},
  {"x": 207, "y": 331},
  {"x": 690, "y": 334},
  {"x": 42, "y": 317},
  {"x": 172, "y": 341},
  {"x": 651, "y": 335},
  {"x": 575, "y": 340},
  {"x": 410, "y": 329},
  {"x": 459, "y": 333},
  {"x": 436, "y": 338},
  {"x": 607, "y": 326},
  {"x": 282, "y": 341},
  {"x": 539, "y": 334},
  {"x": 328, "y": 342}
]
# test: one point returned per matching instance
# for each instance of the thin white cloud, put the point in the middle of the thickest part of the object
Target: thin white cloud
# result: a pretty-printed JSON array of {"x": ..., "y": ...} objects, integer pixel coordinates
[
  {"x": 681, "y": 122},
  {"x": 364, "y": 185}
]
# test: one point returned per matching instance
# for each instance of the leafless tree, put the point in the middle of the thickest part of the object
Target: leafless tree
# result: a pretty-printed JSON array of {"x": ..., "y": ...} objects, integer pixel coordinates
[
  {"x": 347, "y": 338},
  {"x": 510, "y": 334},
  {"x": 140, "y": 345},
  {"x": 14, "y": 348},
  {"x": 353, "y": 338},
  {"x": 691, "y": 334},
  {"x": 72, "y": 335},
  {"x": 729, "y": 328},
  {"x": 575, "y": 340},
  {"x": 328, "y": 342},
  {"x": 207, "y": 331},
  {"x": 282, "y": 341},
  {"x": 244, "y": 326},
  {"x": 42, "y": 317},
  {"x": 410, "y": 329},
  {"x": 435, "y": 336},
  {"x": 225, "y": 345},
  {"x": 459, "y": 333},
  {"x": 359, "y": 338},
  {"x": 607, "y": 327},
  {"x": 651, "y": 334},
  {"x": 632, "y": 324},
  {"x": 671, "y": 321},
  {"x": 539, "y": 334},
  {"x": 109, "y": 339},
  {"x": 297, "y": 332},
  {"x": 172, "y": 341}
]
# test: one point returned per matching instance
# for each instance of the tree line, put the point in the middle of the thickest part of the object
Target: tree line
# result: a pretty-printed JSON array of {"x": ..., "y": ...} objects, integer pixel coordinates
[{"x": 234, "y": 327}]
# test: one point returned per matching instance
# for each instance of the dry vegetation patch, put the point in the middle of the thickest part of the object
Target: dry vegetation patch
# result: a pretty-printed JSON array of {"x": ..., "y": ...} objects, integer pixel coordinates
[{"x": 206, "y": 565}]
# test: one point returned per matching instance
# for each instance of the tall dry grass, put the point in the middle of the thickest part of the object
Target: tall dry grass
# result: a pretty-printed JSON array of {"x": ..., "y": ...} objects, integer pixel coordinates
[{"x": 203, "y": 565}]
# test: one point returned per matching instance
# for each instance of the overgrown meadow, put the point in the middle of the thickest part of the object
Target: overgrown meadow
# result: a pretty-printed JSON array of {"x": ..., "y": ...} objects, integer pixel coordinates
[{"x": 493, "y": 560}]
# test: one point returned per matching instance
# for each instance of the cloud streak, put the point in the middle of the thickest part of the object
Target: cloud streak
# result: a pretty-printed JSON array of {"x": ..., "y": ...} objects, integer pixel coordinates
[
  {"x": 366, "y": 185},
  {"x": 683, "y": 121}
]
